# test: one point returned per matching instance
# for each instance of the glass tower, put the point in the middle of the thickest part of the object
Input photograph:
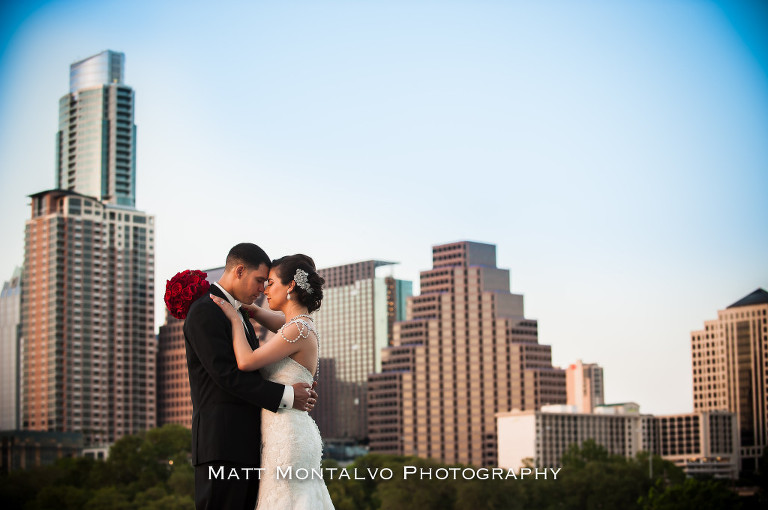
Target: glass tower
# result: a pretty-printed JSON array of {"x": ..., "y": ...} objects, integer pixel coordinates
[
  {"x": 96, "y": 141},
  {"x": 355, "y": 323}
]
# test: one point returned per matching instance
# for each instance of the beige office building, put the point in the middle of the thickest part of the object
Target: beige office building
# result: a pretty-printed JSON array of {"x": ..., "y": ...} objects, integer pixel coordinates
[
  {"x": 10, "y": 317},
  {"x": 541, "y": 437},
  {"x": 702, "y": 444},
  {"x": 584, "y": 386},
  {"x": 465, "y": 353},
  {"x": 730, "y": 371}
]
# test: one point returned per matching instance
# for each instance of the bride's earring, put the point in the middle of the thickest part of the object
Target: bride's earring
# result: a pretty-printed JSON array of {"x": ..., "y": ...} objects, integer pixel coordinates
[{"x": 288, "y": 297}]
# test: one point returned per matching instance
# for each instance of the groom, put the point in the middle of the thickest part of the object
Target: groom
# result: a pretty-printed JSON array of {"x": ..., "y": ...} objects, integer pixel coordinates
[{"x": 226, "y": 403}]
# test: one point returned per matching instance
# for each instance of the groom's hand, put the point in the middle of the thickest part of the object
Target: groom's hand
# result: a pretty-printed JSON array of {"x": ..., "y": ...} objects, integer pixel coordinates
[{"x": 304, "y": 396}]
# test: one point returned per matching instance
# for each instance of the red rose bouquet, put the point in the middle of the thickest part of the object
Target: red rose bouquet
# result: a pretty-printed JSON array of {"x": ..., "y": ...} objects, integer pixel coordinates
[{"x": 183, "y": 289}]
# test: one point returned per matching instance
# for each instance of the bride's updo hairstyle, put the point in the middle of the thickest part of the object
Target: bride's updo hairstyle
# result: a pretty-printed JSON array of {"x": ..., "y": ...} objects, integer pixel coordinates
[{"x": 286, "y": 267}]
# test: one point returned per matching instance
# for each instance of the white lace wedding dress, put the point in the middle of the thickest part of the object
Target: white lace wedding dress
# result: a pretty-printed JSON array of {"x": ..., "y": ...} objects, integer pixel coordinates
[{"x": 291, "y": 440}]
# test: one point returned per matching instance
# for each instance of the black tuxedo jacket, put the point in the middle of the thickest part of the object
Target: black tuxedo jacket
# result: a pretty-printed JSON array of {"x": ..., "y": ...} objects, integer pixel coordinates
[{"x": 226, "y": 402}]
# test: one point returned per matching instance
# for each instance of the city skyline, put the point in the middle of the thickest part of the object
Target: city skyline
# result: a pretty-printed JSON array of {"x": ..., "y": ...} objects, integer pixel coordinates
[{"x": 614, "y": 154}]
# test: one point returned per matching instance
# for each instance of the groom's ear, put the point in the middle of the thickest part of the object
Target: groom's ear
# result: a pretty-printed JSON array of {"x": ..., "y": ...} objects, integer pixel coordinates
[{"x": 239, "y": 271}]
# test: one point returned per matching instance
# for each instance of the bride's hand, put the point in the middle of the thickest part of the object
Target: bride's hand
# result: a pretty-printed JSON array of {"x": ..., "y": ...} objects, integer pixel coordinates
[{"x": 226, "y": 307}]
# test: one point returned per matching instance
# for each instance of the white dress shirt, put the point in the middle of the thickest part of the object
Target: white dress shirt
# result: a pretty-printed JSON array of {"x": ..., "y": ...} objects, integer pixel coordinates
[{"x": 287, "y": 401}]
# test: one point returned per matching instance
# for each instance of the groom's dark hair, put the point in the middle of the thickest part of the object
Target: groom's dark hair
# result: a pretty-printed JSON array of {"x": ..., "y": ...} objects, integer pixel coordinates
[{"x": 247, "y": 254}]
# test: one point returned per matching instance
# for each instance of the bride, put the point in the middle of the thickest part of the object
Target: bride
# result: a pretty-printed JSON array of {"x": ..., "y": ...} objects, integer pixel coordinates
[{"x": 290, "y": 438}]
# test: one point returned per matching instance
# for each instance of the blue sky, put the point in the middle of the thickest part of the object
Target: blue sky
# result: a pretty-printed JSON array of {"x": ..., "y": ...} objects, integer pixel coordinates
[{"x": 615, "y": 152}]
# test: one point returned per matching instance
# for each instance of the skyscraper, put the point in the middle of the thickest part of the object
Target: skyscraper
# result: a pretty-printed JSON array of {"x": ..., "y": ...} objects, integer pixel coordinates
[
  {"x": 730, "y": 371},
  {"x": 87, "y": 320},
  {"x": 174, "y": 400},
  {"x": 355, "y": 322},
  {"x": 584, "y": 386},
  {"x": 96, "y": 142},
  {"x": 464, "y": 353},
  {"x": 10, "y": 312}
]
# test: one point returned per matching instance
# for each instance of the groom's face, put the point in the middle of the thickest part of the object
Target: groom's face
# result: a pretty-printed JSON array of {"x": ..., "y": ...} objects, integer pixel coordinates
[{"x": 249, "y": 284}]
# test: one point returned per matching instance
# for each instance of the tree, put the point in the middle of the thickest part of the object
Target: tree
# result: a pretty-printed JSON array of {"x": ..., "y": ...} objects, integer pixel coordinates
[
  {"x": 108, "y": 498},
  {"x": 692, "y": 494}
]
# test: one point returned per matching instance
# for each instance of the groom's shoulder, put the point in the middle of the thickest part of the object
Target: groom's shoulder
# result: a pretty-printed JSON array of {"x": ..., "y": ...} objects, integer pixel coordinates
[{"x": 200, "y": 308}]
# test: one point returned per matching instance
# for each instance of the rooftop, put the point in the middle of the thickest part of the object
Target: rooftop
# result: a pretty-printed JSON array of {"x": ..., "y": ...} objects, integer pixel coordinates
[{"x": 758, "y": 297}]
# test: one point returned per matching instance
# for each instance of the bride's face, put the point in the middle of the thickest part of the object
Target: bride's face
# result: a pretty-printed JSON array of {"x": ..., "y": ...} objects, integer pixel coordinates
[{"x": 276, "y": 291}]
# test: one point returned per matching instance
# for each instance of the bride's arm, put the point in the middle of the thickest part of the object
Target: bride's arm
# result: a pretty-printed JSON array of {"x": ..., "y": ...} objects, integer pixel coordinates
[
  {"x": 248, "y": 359},
  {"x": 267, "y": 318}
]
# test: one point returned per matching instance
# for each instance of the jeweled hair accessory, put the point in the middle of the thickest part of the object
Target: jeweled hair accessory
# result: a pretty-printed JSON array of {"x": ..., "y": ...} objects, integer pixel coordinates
[{"x": 301, "y": 280}]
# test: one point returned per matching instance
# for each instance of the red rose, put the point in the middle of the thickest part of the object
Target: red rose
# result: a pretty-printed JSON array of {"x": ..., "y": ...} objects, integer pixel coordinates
[
  {"x": 183, "y": 289},
  {"x": 187, "y": 293}
]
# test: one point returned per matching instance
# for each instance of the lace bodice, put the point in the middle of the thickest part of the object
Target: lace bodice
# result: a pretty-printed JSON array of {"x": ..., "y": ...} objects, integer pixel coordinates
[{"x": 286, "y": 371}]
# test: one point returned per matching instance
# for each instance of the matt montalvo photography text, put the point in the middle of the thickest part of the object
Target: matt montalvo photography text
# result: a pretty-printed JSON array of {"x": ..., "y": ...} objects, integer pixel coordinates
[{"x": 408, "y": 472}]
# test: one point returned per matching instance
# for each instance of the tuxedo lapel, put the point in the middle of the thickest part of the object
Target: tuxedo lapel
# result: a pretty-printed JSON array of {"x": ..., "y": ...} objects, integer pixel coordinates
[
  {"x": 250, "y": 334},
  {"x": 216, "y": 291}
]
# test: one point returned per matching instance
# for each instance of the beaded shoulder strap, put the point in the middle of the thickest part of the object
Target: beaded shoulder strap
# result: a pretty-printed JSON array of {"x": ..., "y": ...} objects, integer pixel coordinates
[{"x": 304, "y": 328}]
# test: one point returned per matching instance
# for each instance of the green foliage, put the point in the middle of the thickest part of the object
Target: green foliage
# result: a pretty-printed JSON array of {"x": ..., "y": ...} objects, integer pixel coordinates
[
  {"x": 64, "y": 497},
  {"x": 144, "y": 471},
  {"x": 151, "y": 471},
  {"x": 108, "y": 498},
  {"x": 143, "y": 460},
  {"x": 692, "y": 494},
  {"x": 182, "y": 479},
  {"x": 591, "y": 478}
]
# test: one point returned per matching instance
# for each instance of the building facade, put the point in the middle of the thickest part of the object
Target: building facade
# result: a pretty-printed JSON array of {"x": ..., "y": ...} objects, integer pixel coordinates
[
  {"x": 464, "y": 353},
  {"x": 88, "y": 349},
  {"x": 584, "y": 386},
  {"x": 702, "y": 444},
  {"x": 88, "y": 352},
  {"x": 355, "y": 322},
  {"x": 10, "y": 318},
  {"x": 96, "y": 141},
  {"x": 541, "y": 437},
  {"x": 730, "y": 371},
  {"x": 174, "y": 400},
  {"x": 25, "y": 449}
]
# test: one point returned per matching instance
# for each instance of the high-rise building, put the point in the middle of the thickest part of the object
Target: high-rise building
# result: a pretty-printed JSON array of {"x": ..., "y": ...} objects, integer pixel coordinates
[
  {"x": 174, "y": 400},
  {"x": 96, "y": 142},
  {"x": 465, "y": 352},
  {"x": 10, "y": 313},
  {"x": 88, "y": 348},
  {"x": 88, "y": 318},
  {"x": 730, "y": 371},
  {"x": 355, "y": 322},
  {"x": 584, "y": 386}
]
